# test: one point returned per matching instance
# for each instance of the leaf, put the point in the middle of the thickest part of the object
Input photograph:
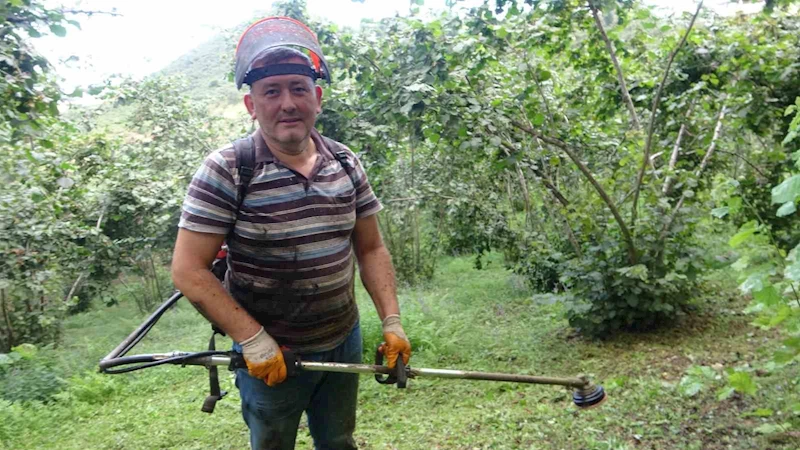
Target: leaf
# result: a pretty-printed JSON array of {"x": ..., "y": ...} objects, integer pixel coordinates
[
  {"x": 792, "y": 271},
  {"x": 786, "y": 191},
  {"x": 545, "y": 75},
  {"x": 747, "y": 230},
  {"x": 721, "y": 212},
  {"x": 638, "y": 271},
  {"x": 690, "y": 388},
  {"x": 419, "y": 87},
  {"x": 58, "y": 30},
  {"x": 785, "y": 355},
  {"x": 760, "y": 412},
  {"x": 695, "y": 380},
  {"x": 769, "y": 296},
  {"x": 26, "y": 351},
  {"x": 65, "y": 182},
  {"x": 770, "y": 428},
  {"x": 538, "y": 119},
  {"x": 753, "y": 283},
  {"x": 793, "y": 342},
  {"x": 725, "y": 393},
  {"x": 786, "y": 209}
]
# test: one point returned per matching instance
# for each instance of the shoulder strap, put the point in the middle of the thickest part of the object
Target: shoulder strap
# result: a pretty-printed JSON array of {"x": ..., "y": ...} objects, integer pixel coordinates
[
  {"x": 341, "y": 155},
  {"x": 245, "y": 152}
]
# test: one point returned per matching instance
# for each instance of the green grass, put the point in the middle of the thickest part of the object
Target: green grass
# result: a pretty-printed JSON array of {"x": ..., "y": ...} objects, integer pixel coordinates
[{"x": 464, "y": 319}]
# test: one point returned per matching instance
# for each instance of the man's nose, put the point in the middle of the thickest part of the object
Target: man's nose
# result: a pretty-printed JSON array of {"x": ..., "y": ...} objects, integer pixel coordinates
[{"x": 287, "y": 102}]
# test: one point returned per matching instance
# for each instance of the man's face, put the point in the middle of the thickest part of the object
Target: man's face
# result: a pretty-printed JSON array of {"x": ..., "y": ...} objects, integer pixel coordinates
[{"x": 286, "y": 106}]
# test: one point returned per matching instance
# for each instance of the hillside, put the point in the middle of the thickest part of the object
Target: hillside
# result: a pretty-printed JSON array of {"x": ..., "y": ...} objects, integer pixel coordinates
[{"x": 206, "y": 68}]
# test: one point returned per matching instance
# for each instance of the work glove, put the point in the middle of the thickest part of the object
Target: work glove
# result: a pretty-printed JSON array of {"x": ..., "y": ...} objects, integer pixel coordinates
[
  {"x": 264, "y": 358},
  {"x": 395, "y": 341}
]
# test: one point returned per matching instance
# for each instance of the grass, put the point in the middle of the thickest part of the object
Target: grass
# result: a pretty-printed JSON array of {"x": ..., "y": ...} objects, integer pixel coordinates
[{"x": 465, "y": 319}]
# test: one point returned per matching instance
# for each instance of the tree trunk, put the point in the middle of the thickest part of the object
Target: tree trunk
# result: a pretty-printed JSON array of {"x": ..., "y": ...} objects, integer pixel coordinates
[
  {"x": 673, "y": 161},
  {"x": 526, "y": 196},
  {"x": 7, "y": 319},
  {"x": 155, "y": 277},
  {"x": 415, "y": 215}
]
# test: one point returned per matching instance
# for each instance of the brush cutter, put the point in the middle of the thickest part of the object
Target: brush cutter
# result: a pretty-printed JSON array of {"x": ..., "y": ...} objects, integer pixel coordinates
[{"x": 585, "y": 393}]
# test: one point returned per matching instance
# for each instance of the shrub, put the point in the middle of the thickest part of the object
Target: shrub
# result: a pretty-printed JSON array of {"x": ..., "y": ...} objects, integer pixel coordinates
[
  {"x": 609, "y": 295},
  {"x": 26, "y": 375}
]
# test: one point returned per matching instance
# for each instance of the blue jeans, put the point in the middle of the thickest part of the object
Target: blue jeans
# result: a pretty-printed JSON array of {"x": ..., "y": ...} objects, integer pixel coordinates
[{"x": 329, "y": 400}]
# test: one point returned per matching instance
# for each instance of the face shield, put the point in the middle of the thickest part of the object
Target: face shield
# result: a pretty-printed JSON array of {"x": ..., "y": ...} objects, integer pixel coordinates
[{"x": 274, "y": 32}]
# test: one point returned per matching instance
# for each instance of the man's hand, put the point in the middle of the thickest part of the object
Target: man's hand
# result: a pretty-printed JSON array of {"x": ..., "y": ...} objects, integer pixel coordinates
[
  {"x": 396, "y": 342},
  {"x": 264, "y": 358}
]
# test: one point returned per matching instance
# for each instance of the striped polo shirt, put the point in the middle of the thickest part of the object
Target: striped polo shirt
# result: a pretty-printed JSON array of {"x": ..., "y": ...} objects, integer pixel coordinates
[{"x": 290, "y": 256}]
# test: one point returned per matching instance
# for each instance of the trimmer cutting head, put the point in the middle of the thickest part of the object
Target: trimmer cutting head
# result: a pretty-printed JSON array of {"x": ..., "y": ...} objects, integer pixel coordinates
[{"x": 589, "y": 396}]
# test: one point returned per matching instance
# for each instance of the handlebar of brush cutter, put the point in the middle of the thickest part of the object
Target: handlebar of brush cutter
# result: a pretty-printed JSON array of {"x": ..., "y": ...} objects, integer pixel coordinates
[{"x": 585, "y": 395}]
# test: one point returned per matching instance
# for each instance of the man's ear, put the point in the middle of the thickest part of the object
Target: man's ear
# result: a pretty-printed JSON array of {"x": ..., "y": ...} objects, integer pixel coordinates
[
  {"x": 251, "y": 108},
  {"x": 318, "y": 90}
]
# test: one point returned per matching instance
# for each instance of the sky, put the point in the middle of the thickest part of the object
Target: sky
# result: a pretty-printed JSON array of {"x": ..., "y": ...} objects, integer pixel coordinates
[{"x": 149, "y": 34}]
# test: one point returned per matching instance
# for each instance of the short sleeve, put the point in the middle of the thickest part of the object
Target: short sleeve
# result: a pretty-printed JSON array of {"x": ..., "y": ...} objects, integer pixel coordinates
[
  {"x": 210, "y": 203},
  {"x": 367, "y": 202}
]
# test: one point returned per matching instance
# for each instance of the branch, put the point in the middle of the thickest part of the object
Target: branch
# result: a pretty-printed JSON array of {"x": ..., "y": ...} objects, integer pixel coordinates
[
  {"x": 545, "y": 181},
  {"x": 673, "y": 161},
  {"x": 653, "y": 113},
  {"x": 5, "y": 316},
  {"x": 703, "y": 165},
  {"x": 588, "y": 174},
  {"x": 713, "y": 145},
  {"x": 747, "y": 161},
  {"x": 552, "y": 187},
  {"x": 74, "y": 287},
  {"x": 89, "y": 13},
  {"x": 423, "y": 197},
  {"x": 620, "y": 77}
]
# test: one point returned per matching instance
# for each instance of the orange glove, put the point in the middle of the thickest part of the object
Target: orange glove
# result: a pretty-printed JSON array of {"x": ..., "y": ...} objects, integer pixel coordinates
[
  {"x": 264, "y": 358},
  {"x": 396, "y": 342}
]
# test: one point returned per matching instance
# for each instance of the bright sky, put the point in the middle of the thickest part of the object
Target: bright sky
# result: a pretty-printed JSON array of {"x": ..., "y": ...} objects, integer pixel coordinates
[{"x": 152, "y": 33}]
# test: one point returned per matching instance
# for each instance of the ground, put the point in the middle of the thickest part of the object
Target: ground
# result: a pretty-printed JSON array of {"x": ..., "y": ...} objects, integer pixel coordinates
[{"x": 464, "y": 319}]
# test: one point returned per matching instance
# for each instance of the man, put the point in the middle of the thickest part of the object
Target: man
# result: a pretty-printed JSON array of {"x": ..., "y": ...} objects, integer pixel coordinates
[{"x": 306, "y": 213}]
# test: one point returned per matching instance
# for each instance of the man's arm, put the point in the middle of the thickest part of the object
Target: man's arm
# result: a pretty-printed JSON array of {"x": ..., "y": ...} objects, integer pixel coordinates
[
  {"x": 191, "y": 273},
  {"x": 375, "y": 266},
  {"x": 377, "y": 274}
]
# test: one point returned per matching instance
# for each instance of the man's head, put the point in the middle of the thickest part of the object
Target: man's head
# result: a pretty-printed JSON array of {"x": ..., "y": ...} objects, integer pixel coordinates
[
  {"x": 285, "y": 104},
  {"x": 283, "y": 96}
]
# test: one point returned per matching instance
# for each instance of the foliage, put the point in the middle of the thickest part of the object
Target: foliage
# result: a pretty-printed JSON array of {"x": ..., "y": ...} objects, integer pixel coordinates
[
  {"x": 26, "y": 376},
  {"x": 466, "y": 319},
  {"x": 40, "y": 205},
  {"x": 766, "y": 272},
  {"x": 505, "y": 103}
]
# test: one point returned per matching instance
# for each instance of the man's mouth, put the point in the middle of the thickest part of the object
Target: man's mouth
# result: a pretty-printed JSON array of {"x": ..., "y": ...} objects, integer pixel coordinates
[{"x": 293, "y": 120}]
